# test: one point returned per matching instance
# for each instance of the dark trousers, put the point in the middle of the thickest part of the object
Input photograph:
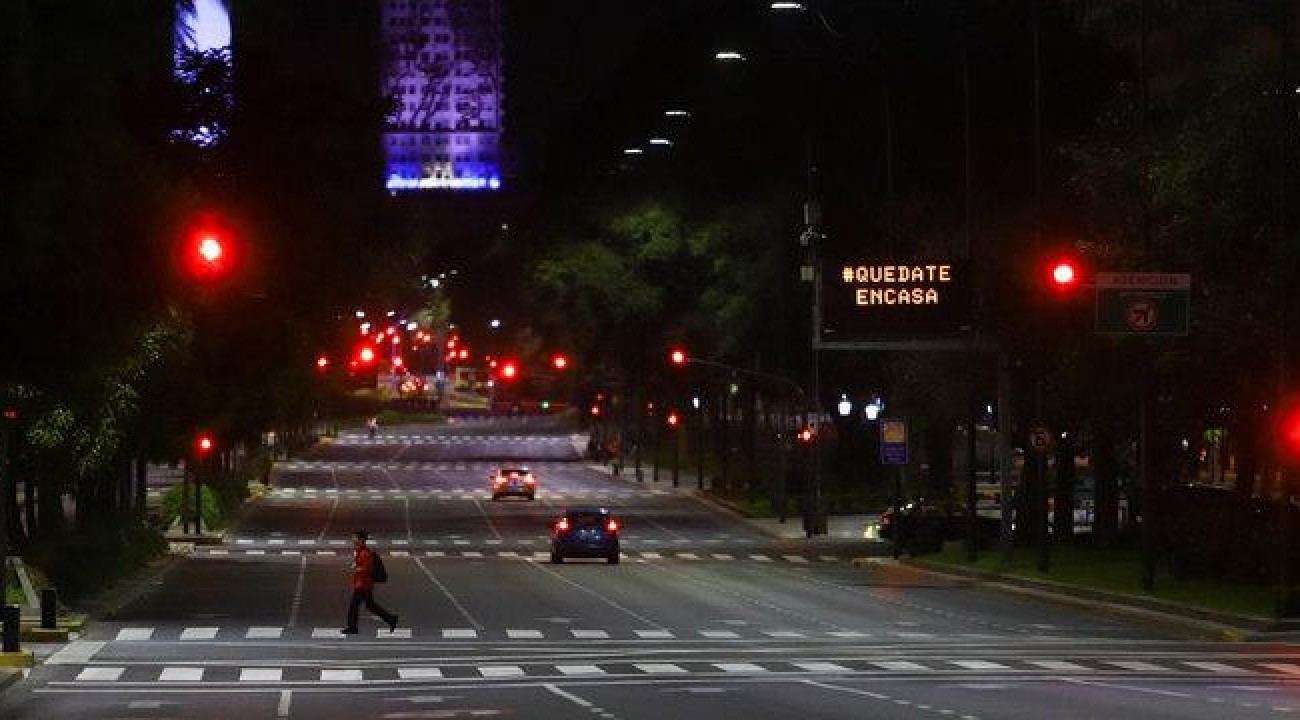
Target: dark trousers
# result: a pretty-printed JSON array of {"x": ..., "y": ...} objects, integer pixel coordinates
[{"x": 367, "y": 598}]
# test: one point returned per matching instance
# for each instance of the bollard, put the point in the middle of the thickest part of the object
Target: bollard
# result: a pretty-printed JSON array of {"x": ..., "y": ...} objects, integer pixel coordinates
[
  {"x": 49, "y": 608},
  {"x": 10, "y": 626}
]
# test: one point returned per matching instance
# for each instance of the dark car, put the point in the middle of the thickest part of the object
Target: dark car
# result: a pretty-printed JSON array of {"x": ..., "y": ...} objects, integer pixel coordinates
[
  {"x": 921, "y": 527},
  {"x": 586, "y": 532},
  {"x": 516, "y": 481}
]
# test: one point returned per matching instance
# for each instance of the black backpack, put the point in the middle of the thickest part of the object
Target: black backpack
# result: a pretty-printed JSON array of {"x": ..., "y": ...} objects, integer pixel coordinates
[{"x": 378, "y": 572}]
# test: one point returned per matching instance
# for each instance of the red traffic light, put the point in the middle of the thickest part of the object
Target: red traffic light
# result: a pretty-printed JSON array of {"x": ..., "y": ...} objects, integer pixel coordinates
[
  {"x": 509, "y": 370},
  {"x": 672, "y": 419},
  {"x": 1063, "y": 273},
  {"x": 806, "y": 434},
  {"x": 559, "y": 362},
  {"x": 677, "y": 357},
  {"x": 1287, "y": 434},
  {"x": 366, "y": 354},
  {"x": 595, "y": 411},
  {"x": 322, "y": 362},
  {"x": 203, "y": 444}
]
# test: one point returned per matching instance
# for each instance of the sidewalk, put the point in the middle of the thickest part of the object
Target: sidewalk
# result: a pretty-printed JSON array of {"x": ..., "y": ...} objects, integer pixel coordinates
[{"x": 858, "y": 528}]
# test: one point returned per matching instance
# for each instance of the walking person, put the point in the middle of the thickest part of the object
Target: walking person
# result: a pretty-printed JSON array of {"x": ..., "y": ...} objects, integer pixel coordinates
[{"x": 363, "y": 585}]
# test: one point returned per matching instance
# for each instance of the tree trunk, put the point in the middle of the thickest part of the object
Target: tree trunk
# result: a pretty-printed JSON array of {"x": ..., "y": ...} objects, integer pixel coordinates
[
  {"x": 1063, "y": 508},
  {"x": 50, "y": 521},
  {"x": 1105, "y": 501}
]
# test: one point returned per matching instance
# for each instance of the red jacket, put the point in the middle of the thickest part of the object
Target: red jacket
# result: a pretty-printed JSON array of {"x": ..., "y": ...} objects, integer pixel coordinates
[{"x": 363, "y": 562}]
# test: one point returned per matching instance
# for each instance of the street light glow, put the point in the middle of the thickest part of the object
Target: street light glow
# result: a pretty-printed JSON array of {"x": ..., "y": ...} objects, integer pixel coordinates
[
  {"x": 633, "y": 151},
  {"x": 728, "y": 56},
  {"x": 786, "y": 6},
  {"x": 677, "y": 113},
  {"x": 661, "y": 141},
  {"x": 844, "y": 406}
]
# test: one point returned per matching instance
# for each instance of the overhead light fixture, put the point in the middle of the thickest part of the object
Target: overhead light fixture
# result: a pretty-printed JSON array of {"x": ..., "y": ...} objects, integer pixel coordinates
[
  {"x": 665, "y": 142},
  {"x": 728, "y": 56},
  {"x": 677, "y": 113},
  {"x": 786, "y": 6},
  {"x": 633, "y": 151}
]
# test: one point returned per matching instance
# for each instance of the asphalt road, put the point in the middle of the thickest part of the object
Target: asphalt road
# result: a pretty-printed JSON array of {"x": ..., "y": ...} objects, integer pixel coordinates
[{"x": 705, "y": 617}]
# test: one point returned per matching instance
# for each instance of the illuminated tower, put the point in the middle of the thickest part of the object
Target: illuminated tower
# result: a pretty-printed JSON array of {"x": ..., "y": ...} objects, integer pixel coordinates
[{"x": 442, "y": 75}]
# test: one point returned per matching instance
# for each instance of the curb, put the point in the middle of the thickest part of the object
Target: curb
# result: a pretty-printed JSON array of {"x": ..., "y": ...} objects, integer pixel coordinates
[
  {"x": 1205, "y": 624},
  {"x": 9, "y": 677},
  {"x": 20, "y": 659}
]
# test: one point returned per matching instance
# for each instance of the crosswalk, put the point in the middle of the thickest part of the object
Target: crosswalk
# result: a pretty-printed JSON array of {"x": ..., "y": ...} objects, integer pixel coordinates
[
  {"x": 300, "y": 674},
  {"x": 423, "y": 465},
  {"x": 461, "y": 549},
  {"x": 215, "y": 633},
  {"x": 459, "y": 493},
  {"x": 417, "y": 439}
]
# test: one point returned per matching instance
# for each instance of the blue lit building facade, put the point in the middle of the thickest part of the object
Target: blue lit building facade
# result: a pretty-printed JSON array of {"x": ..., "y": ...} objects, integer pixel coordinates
[{"x": 443, "y": 77}]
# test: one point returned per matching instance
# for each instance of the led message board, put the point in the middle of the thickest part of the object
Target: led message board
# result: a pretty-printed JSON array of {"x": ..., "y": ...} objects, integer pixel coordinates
[{"x": 862, "y": 299}]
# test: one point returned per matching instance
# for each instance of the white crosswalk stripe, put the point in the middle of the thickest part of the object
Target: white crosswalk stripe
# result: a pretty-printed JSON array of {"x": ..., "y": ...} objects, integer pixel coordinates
[
  {"x": 590, "y": 635},
  {"x": 1214, "y": 667},
  {"x": 899, "y": 665},
  {"x": 419, "y": 673},
  {"x": 580, "y": 670},
  {"x": 979, "y": 665},
  {"x": 524, "y": 634},
  {"x": 821, "y": 667},
  {"x": 100, "y": 674},
  {"x": 341, "y": 676},
  {"x": 181, "y": 674},
  {"x": 660, "y": 668},
  {"x": 1057, "y": 665},
  {"x": 199, "y": 633},
  {"x": 264, "y": 633},
  {"x": 1137, "y": 665},
  {"x": 740, "y": 668},
  {"x": 261, "y": 675},
  {"x": 501, "y": 671},
  {"x": 135, "y": 633},
  {"x": 654, "y": 634}
]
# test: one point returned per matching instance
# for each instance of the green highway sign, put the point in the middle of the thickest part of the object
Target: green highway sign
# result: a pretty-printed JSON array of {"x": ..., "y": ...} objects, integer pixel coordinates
[{"x": 1142, "y": 303}]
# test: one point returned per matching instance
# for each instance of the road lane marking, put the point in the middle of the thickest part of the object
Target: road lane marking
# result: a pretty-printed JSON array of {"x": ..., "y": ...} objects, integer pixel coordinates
[
  {"x": 784, "y": 634},
  {"x": 260, "y": 674},
  {"x": 351, "y": 675},
  {"x": 264, "y": 633},
  {"x": 900, "y": 666},
  {"x": 749, "y": 668},
  {"x": 419, "y": 673},
  {"x": 282, "y": 708},
  {"x": 181, "y": 674},
  {"x": 318, "y": 633},
  {"x": 77, "y": 652},
  {"x": 459, "y": 633},
  {"x": 524, "y": 634},
  {"x": 579, "y": 670},
  {"x": 821, "y": 667},
  {"x": 719, "y": 634},
  {"x": 199, "y": 633},
  {"x": 590, "y": 635},
  {"x": 654, "y": 634},
  {"x": 501, "y": 671},
  {"x": 660, "y": 668},
  {"x": 127, "y": 634},
  {"x": 447, "y": 593},
  {"x": 1215, "y": 667},
  {"x": 978, "y": 665},
  {"x": 100, "y": 674},
  {"x": 1287, "y": 668},
  {"x": 296, "y": 603},
  {"x": 568, "y": 696},
  {"x": 1136, "y": 665},
  {"x": 1058, "y": 665}
]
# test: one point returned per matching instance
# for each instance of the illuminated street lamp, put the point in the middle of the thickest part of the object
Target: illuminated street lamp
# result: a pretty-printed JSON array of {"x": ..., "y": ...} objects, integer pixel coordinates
[
  {"x": 845, "y": 406},
  {"x": 728, "y": 56},
  {"x": 873, "y": 408}
]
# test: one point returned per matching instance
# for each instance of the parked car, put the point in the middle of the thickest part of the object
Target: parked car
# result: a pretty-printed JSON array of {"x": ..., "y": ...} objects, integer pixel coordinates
[{"x": 585, "y": 531}]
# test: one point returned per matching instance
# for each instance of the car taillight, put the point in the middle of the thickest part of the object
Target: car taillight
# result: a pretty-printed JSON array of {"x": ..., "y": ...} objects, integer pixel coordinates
[
  {"x": 501, "y": 481},
  {"x": 612, "y": 526},
  {"x": 529, "y": 481},
  {"x": 562, "y": 525}
]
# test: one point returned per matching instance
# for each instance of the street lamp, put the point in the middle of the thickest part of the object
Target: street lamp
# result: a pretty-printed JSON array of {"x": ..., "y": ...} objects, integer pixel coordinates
[
  {"x": 873, "y": 408},
  {"x": 729, "y": 56},
  {"x": 845, "y": 406}
]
